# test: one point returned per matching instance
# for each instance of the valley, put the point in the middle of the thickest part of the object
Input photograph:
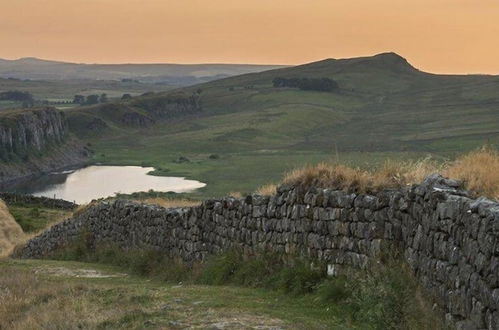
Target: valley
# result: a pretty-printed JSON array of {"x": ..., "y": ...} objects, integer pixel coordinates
[{"x": 247, "y": 132}]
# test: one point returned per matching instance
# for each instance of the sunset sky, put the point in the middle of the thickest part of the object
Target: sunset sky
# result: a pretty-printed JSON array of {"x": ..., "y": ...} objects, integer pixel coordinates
[{"x": 454, "y": 36}]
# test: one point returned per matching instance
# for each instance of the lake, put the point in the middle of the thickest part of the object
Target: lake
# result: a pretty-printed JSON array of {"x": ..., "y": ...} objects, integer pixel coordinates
[{"x": 95, "y": 182}]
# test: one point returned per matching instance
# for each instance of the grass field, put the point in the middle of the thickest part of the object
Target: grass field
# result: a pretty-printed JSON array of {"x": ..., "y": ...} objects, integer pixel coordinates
[
  {"x": 70, "y": 295},
  {"x": 57, "y": 92},
  {"x": 102, "y": 297}
]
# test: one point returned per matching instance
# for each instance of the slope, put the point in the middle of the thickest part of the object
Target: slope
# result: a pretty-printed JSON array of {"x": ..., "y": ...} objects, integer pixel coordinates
[{"x": 244, "y": 132}]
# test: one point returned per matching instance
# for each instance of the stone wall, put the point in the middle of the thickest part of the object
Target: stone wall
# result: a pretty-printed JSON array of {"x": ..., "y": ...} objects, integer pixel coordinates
[
  {"x": 52, "y": 203},
  {"x": 449, "y": 239}
]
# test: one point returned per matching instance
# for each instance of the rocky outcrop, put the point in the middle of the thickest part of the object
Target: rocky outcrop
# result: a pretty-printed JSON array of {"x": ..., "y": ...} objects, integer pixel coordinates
[
  {"x": 36, "y": 141},
  {"x": 23, "y": 131},
  {"x": 162, "y": 107},
  {"x": 136, "y": 119},
  {"x": 450, "y": 240}
]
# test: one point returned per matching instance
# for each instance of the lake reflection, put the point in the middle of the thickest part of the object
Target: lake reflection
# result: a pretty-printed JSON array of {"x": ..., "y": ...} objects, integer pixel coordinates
[{"x": 94, "y": 182}]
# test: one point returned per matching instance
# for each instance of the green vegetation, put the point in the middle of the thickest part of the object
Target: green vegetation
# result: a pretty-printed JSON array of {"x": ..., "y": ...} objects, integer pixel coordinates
[
  {"x": 33, "y": 219},
  {"x": 61, "y": 93},
  {"x": 384, "y": 108},
  {"x": 384, "y": 297},
  {"x": 72, "y": 295}
]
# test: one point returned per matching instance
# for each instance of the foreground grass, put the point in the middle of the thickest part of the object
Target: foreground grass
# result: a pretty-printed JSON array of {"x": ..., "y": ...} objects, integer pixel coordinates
[
  {"x": 54, "y": 294},
  {"x": 385, "y": 296}
]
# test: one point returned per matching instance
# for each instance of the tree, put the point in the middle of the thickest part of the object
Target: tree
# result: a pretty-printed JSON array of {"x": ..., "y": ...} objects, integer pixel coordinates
[
  {"x": 103, "y": 98},
  {"x": 126, "y": 97},
  {"x": 19, "y": 96},
  {"x": 92, "y": 99},
  {"x": 79, "y": 99}
]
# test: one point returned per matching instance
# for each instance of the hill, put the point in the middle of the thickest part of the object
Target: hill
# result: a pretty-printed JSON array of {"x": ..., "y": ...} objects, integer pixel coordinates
[
  {"x": 246, "y": 132},
  {"x": 10, "y": 231},
  {"x": 174, "y": 74}
]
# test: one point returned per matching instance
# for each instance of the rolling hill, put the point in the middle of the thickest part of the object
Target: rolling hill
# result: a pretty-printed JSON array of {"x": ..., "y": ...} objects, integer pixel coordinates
[
  {"x": 174, "y": 74},
  {"x": 244, "y": 132}
]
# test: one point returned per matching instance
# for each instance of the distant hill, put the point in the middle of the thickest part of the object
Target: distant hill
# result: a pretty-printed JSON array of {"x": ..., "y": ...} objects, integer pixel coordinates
[
  {"x": 383, "y": 104},
  {"x": 174, "y": 74}
]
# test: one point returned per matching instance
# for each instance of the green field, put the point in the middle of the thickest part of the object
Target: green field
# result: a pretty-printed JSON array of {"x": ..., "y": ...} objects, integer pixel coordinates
[
  {"x": 384, "y": 109},
  {"x": 58, "y": 92}
]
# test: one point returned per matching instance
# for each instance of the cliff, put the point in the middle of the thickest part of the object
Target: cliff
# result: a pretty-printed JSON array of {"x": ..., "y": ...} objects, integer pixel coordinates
[
  {"x": 450, "y": 240},
  {"x": 36, "y": 141}
]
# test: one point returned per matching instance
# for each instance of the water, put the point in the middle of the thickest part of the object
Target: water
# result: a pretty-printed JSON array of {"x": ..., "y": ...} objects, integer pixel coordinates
[{"x": 95, "y": 182}]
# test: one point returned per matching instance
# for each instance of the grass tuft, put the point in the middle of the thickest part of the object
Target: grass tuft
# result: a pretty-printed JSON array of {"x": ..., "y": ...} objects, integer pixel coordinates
[
  {"x": 267, "y": 190},
  {"x": 479, "y": 171}
]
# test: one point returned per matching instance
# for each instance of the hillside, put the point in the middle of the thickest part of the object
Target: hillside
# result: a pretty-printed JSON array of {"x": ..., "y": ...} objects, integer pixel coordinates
[
  {"x": 175, "y": 74},
  {"x": 384, "y": 108},
  {"x": 229, "y": 128}
]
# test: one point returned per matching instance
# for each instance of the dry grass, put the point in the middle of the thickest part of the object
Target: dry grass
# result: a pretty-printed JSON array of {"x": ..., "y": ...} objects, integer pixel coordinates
[
  {"x": 235, "y": 194},
  {"x": 57, "y": 297},
  {"x": 26, "y": 302},
  {"x": 171, "y": 202},
  {"x": 11, "y": 233},
  {"x": 391, "y": 175},
  {"x": 267, "y": 190},
  {"x": 479, "y": 170}
]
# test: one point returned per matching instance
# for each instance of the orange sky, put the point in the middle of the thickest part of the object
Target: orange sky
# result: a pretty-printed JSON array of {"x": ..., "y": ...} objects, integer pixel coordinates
[{"x": 455, "y": 36}]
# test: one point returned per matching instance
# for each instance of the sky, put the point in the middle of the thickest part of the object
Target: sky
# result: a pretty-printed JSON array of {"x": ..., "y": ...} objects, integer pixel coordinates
[{"x": 441, "y": 36}]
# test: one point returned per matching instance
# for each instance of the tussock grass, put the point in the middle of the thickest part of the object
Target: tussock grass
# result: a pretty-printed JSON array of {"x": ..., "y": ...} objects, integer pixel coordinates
[
  {"x": 267, "y": 190},
  {"x": 478, "y": 170},
  {"x": 391, "y": 174},
  {"x": 235, "y": 194},
  {"x": 11, "y": 232},
  {"x": 171, "y": 202}
]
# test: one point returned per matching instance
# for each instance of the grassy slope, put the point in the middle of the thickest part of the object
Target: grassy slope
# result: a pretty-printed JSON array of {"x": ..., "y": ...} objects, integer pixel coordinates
[{"x": 385, "y": 107}]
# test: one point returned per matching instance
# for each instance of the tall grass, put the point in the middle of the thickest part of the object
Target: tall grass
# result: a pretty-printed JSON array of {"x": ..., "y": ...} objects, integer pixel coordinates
[
  {"x": 391, "y": 174},
  {"x": 478, "y": 170},
  {"x": 11, "y": 233}
]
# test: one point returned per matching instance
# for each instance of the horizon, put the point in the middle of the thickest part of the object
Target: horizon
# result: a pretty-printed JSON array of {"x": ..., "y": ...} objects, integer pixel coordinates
[
  {"x": 248, "y": 64},
  {"x": 457, "y": 36}
]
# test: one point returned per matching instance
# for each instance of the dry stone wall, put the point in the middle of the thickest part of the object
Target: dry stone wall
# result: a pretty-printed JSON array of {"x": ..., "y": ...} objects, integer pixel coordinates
[{"x": 449, "y": 239}]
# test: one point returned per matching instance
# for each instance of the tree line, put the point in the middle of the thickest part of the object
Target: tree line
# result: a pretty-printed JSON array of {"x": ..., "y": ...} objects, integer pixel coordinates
[
  {"x": 307, "y": 84},
  {"x": 90, "y": 99},
  {"x": 18, "y": 96}
]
